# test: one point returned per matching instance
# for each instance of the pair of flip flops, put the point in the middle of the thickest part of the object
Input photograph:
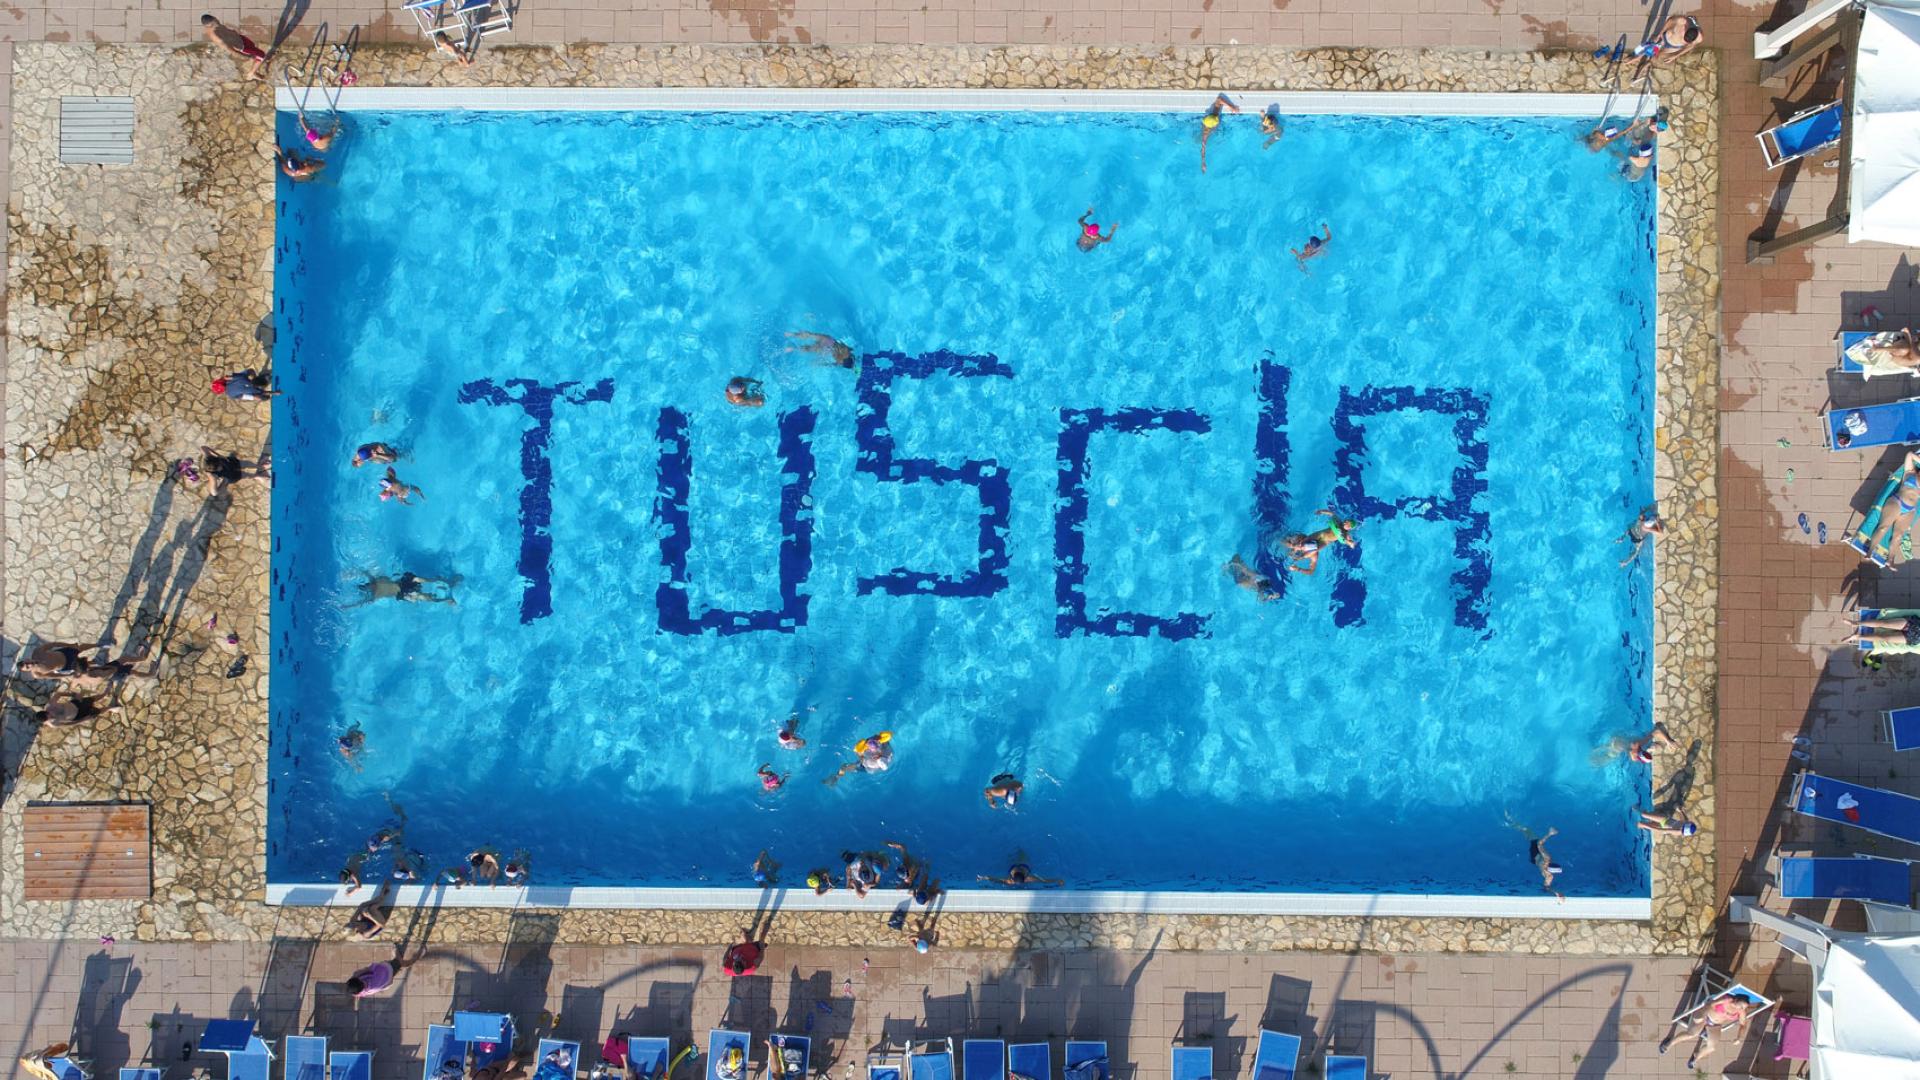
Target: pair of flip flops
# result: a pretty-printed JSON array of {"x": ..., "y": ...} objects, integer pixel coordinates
[{"x": 1806, "y": 528}]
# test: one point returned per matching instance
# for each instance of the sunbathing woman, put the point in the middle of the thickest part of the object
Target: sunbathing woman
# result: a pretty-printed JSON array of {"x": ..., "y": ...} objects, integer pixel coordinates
[
  {"x": 1306, "y": 547},
  {"x": 1896, "y": 520},
  {"x": 1728, "y": 1012}
]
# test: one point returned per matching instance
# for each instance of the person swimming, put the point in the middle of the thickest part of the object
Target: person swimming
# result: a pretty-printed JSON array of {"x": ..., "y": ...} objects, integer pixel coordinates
[
  {"x": 1250, "y": 579},
  {"x": 408, "y": 588},
  {"x": 1316, "y": 246},
  {"x": 1307, "y": 547},
  {"x": 838, "y": 352},
  {"x": 770, "y": 781},
  {"x": 1270, "y": 126},
  {"x": 876, "y": 755},
  {"x": 1090, "y": 237},
  {"x": 375, "y": 452},
  {"x": 1210, "y": 122},
  {"x": 350, "y": 744},
  {"x": 1005, "y": 787},
  {"x": 745, "y": 392}
]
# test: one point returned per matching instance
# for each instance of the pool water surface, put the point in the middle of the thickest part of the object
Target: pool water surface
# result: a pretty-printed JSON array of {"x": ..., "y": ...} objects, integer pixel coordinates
[{"x": 1000, "y": 537}]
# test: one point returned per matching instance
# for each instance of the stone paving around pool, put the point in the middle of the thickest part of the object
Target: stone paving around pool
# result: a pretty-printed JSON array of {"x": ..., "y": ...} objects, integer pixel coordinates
[{"x": 131, "y": 288}]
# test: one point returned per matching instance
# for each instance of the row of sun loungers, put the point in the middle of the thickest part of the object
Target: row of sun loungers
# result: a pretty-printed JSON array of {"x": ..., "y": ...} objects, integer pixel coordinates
[{"x": 475, "y": 1040}]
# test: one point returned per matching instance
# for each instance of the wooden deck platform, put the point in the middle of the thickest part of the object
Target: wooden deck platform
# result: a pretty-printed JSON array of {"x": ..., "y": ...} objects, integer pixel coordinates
[{"x": 88, "y": 852}]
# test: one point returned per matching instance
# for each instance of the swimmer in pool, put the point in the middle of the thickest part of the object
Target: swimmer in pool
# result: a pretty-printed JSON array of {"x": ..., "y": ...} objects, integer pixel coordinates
[
  {"x": 1306, "y": 547},
  {"x": 745, "y": 392},
  {"x": 1006, "y": 788},
  {"x": 398, "y": 490},
  {"x": 876, "y": 755},
  {"x": 837, "y": 352},
  {"x": 1210, "y": 122},
  {"x": 484, "y": 864},
  {"x": 770, "y": 781},
  {"x": 1020, "y": 875},
  {"x": 376, "y": 452},
  {"x": 1644, "y": 528},
  {"x": 1316, "y": 247},
  {"x": 408, "y": 588},
  {"x": 789, "y": 735},
  {"x": 350, "y": 744},
  {"x": 1250, "y": 579},
  {"x": 296, "y": 167},
  {"x": 1543, "y": 862},
  {"x": 350, "y": 873},
  {"x": 1270, "y": 126},
  {"x": 1090, "y": 237},
  {"x": 514, "y": 870},
  {"x": 862, "y": 873},
  {"x": 764, "y": 869}
]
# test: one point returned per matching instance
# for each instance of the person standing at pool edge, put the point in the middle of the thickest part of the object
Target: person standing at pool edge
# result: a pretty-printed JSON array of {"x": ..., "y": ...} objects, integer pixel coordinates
[
  {"x": 234, "y": 42},
  {"x": 1090, "y": 237},
  {"x": 1211, "y": 122}
]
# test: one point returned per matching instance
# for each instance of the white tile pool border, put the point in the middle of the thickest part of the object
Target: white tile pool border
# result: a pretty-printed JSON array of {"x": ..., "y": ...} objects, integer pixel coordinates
[
  {"x": 977, "y": 900},
  {"x": 711, "y": 99},
  {"x": 726, "y": 99}
]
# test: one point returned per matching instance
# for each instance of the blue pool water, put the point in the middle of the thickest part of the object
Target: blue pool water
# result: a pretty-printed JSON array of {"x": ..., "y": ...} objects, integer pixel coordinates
[{"x": 1002, "y": 539}]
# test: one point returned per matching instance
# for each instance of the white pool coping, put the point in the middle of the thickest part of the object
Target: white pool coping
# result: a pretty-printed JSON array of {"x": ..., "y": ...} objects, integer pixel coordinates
[
  {"x": 1412, "y": 905},
  {"x": 749, "y": 99}
]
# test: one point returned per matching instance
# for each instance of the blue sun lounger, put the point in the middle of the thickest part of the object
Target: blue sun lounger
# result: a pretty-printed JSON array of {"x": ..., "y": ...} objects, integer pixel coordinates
[
  {"x": 1086, "y": 1061},
  {"x": 488, "y": 1035},
  {"x": 983, "y": 1059},
  {"x": 1886, "y": 813},
  {"x": 565, "y": 1063},
  {"x": 1863, "y": 877},
  {"x": 1193, "y": 1063},
  {"x": 885, "y": 1066},
  {"x": 306, "y": 1057},
  {"x": 647, "y": 1055},
  {"x": 1801, "y": 134},
  {"x": 1902, "y": 727},
  {"x": 350, "y": 1065},
  {"x": 440, "y": 1048},
  {"x": 1277, "y": 1057},
  {"x": 935, "y": 1062},
  {"x": 248, "y": 1056},
  {"x": 1346, "y": 1067},
  {"x": 1894, "y": 422},
  {"x": 1030, "y": 1061},
  {"x": 793, "y": 1052},
  {"x": 720, "y": 1045},
  {"x": 128, "y": 1073}
]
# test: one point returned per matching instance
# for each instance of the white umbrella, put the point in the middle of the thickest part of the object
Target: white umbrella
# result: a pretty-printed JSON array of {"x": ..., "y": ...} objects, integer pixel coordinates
[{"x": 1884, "y": 202}]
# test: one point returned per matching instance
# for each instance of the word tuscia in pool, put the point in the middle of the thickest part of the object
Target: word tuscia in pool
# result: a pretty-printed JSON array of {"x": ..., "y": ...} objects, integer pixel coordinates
[{"x": 878, "y": 456}]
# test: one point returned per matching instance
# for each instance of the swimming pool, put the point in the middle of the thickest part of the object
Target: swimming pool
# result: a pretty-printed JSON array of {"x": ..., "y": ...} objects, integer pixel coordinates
[{"x": 1001, "y": 538}]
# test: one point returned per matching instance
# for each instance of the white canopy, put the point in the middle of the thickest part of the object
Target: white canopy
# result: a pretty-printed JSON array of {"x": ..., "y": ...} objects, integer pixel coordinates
[
  {"x": 1866, "y": 993},
  {"x": 1885, "y": 201},
  {"x": 1866, "y": 1008}
]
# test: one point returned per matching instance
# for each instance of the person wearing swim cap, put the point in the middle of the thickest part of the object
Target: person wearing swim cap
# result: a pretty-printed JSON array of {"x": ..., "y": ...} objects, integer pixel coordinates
[
  {"x": 1316, "y": 246},
  {"x": 820, "y": 881},
  {"x": 297, "y": 168},
  {"x": 1543, "y": 862},
  {"x": 876, "y": 755},
  {"x": 1662, "y": 824},
  {"x": 1639, "y": 160},
  {"x": 351, "y": 743},
  {"x": 1020, "y": 875},
  {"x": 1210, "y": 122},
  {"x": 374, "y": 452},
  {"x": 1641, "y": 750},
  {"x": 745, "y": 392},
  {"x": 1090, "y": 237},
  {"x": 1005, "y": 788},
  {"x": 764, "y": 868}
]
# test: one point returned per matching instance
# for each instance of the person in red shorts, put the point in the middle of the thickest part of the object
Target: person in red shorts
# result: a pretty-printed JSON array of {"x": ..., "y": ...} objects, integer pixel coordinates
[{"x": 236, "y": 43}]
